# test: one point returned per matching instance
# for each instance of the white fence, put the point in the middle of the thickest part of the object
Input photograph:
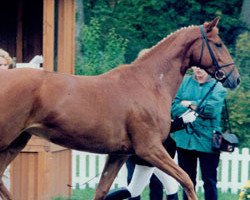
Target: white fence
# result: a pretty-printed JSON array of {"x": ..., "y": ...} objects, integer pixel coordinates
[
  {"x": 233, "y": 172},
  {"x": 87, "y": 168}
]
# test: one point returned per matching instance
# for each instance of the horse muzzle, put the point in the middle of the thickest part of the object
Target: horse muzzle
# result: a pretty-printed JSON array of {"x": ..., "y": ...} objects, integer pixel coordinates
[{"x": 231, "y": 82}]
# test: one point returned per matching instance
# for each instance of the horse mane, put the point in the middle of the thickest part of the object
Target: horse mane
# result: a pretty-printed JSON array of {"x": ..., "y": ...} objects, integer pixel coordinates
[
  {"x": 168, "y": 39},
  {"x": 144, "y": 54}
]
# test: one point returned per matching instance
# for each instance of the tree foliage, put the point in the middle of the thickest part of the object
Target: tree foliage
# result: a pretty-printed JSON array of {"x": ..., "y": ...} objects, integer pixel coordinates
[
  {"x": 144, "y": 23},
  {"x": 100, "y": 53},
  {"x": 239, "y": 109}
]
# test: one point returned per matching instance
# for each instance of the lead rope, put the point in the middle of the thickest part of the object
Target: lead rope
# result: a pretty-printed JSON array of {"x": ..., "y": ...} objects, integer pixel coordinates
[
  {"x": 198, "y": 108},
  {"x": 227, "y": 117},
  {"x": 71, "y": 186}
]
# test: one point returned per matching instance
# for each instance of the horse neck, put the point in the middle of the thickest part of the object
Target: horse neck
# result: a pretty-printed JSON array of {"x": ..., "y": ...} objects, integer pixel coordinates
[{"x": 165, "y": 64}]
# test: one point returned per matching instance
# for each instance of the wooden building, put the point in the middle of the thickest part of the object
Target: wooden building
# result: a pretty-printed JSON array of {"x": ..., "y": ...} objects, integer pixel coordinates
[{"x": 40, "y": 27}]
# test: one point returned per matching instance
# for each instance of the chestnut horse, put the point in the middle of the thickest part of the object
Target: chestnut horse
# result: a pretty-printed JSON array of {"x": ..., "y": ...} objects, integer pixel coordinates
[{"x": 122, "y": 112}]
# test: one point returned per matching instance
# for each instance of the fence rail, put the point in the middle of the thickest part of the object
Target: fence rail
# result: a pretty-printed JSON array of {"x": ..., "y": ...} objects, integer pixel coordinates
[{"x": 233, "y": 171}]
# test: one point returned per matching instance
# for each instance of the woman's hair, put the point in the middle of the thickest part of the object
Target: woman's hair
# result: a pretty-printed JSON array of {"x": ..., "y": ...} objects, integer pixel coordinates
[{"x": 6, "y": 56}]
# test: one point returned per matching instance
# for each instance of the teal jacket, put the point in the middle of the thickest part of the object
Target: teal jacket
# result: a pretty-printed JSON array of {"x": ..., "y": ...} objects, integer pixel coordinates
[{"x": 198, "y": 136}]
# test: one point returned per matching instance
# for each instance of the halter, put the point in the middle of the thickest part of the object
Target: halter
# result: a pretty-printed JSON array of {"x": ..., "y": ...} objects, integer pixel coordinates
[{"x": 218, "y": 74}]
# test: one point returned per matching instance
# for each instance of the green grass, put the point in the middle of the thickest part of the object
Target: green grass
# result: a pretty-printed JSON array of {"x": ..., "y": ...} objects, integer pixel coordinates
[{"x": 87, "y": 194}]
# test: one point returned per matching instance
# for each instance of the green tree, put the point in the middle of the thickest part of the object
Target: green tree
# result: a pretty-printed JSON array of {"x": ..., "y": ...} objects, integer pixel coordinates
[
  {"x": 239, "y": 114},
  {"x": 238, "y": 101},
  {"x": 100, "y": 53},
  {"x": 114, "y": 49},
  {"x": 144, "y": 23},
  {"x": 242, "y": 57}
]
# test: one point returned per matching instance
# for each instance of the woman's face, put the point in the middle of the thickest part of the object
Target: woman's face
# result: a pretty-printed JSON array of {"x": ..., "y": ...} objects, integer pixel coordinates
[{"x": 3, "y": 63}]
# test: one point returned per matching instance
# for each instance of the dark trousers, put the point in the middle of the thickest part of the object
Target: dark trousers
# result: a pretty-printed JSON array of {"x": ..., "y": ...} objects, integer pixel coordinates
[
  {"x": 209, "y": 162},
  {"x": 156, "y": 188}
]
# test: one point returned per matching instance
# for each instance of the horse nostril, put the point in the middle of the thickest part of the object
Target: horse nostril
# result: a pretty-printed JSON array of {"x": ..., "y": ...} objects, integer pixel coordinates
[{"x": 238, "y": 81}]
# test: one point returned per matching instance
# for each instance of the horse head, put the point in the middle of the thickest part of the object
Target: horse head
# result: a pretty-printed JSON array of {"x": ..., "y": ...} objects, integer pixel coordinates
[{"x": 211, "y": 54}]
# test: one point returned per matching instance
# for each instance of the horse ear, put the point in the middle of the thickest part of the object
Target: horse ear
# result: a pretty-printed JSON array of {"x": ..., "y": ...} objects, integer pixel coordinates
[{"x": 212, "y": 24}]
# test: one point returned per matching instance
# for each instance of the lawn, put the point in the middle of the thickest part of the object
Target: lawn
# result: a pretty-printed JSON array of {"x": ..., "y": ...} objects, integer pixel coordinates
[{"x": 87, "y": 194}]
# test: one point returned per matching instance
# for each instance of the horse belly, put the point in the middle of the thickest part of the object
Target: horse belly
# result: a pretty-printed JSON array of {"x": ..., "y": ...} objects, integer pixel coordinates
[
  {"x": 96, "y": 140},
  {"x": 93, "y": 142}
]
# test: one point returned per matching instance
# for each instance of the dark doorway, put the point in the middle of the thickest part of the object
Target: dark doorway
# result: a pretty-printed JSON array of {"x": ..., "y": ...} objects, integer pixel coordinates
[{"x": 21, "y": 29}]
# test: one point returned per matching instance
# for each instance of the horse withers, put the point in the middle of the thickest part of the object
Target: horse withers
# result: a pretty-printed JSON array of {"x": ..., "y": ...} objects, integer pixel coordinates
[{"x": 122, "y": 112}]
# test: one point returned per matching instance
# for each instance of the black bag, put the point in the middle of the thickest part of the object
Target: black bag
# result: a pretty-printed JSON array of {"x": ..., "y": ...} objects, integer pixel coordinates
[{"x": 224, "y": 141}]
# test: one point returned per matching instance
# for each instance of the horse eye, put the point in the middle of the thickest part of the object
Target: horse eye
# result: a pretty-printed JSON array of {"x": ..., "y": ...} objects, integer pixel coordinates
[{"x": 218, "y": 45}]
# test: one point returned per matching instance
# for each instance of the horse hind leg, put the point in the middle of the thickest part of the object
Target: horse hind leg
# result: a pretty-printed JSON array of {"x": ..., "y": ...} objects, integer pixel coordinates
[
  {"x": 158, "y": 156},
  {"x": 6, "y": 156},
  {"x": 112, "y": 166}
]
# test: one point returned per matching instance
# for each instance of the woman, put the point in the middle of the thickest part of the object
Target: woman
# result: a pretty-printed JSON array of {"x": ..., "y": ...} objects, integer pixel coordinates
[
  {"x": 6, "y": 61},
  {"x": 195, "y": 142}
]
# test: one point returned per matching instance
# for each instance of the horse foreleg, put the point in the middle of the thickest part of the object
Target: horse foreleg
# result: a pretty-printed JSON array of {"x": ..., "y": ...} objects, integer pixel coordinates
[
  {"x": 4, "y": 193},
  {"x": 6, "y": 156},
  {"x": 110, "y": 171},
  {"x": 158, "y": 156}
]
